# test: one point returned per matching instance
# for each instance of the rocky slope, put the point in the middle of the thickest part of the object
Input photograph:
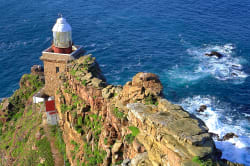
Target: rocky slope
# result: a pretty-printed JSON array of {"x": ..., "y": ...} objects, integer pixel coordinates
[{"x": 22, "y": 139}]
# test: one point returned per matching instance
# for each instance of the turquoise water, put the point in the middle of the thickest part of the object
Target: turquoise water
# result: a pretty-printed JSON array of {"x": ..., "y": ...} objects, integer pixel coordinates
[{"x": 168, "y": 38}]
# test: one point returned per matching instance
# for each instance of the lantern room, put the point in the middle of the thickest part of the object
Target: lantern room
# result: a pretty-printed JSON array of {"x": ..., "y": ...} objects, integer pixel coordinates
[{"x": 62, "y": 37}]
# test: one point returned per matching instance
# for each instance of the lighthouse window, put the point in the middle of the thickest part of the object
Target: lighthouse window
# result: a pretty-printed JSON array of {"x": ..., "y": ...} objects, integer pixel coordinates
[{"x": 57, "y": 69}]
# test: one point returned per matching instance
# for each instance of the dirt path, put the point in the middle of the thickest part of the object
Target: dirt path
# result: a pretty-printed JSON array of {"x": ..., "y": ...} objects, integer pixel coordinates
[{"x": 58, "y": 157}]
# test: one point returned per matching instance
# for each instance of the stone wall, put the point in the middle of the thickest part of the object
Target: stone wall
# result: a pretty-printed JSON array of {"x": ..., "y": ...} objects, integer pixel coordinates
[{"x": 52, "y": 77}]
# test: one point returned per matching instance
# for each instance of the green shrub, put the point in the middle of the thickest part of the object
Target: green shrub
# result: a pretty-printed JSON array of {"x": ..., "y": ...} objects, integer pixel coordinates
[
  {"x": 84, "y": 82},
  {"x": 79, "y": 121},
  {"x": 72, "y": 72},
  {"x": 64, "y": 108},
  {"x": 201, "y": 162},
  {"x": 79, "y": 129},
  {"x": 135, "y": 131},
  {"x": 105, "y": 141},
  {"x": 129, "y": 138},
  {"x": 118, "y": 113},
  {"x": 151, "y": 100},
  {"x": 67, "y": 91}
]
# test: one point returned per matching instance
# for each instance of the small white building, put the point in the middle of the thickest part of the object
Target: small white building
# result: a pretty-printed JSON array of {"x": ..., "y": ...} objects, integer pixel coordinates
[{"x": 38, "y": 97}]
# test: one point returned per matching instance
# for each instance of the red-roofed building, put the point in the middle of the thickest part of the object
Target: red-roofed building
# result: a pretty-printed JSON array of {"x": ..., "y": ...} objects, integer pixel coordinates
[
  {"x": 52, "y": 117},
  {"x": 50, "y": 105}
]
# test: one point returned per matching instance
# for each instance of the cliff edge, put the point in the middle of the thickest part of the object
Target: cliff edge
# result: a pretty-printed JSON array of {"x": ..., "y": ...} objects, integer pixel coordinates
[{"x": 129, "y": 125}]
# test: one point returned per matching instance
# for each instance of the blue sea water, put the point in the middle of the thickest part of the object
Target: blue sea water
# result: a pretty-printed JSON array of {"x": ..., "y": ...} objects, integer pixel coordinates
[{"x": 168, "y": 38}]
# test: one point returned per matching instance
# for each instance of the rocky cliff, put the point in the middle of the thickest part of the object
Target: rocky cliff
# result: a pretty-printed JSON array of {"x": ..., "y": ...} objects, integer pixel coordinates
[{"x": 105, "y": 124}]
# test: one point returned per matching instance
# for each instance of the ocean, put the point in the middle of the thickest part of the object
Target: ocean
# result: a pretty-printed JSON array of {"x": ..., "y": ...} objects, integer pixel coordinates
[{"x": 168, "y": 38}]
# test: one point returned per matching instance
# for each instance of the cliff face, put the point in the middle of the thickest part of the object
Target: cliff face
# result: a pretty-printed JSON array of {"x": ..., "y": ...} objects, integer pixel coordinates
[
  {"x": 103, "y": 124},
  {"x": 133, "y": 124}
]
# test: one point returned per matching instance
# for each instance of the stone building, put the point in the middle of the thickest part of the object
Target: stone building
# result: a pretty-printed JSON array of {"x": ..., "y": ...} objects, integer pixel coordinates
[{"x": 57, "y": 56}]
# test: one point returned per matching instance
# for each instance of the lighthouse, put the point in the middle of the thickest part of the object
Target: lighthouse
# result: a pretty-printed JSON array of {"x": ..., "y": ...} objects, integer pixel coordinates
[
  {"x": 62, "y": 36},
  {"x": 58, "y": 55}
]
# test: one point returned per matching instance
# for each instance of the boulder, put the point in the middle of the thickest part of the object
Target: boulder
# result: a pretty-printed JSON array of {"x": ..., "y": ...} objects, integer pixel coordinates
[
  {"x": 141, "y": 159},
  {"x": 142, "y": 85},
  {"x": 229, "y": 136},
  {"x": 116, "y": 147},
  {"x": 214, "y": 53},
  {"x": 202, "y": 108},
  {"x": 37, "y": 70},
  {"x": 149, "y": 81}
]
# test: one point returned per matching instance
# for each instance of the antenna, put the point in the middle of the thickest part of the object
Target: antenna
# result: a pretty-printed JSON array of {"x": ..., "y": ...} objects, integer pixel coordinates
[{"x": 60, "y": 15}]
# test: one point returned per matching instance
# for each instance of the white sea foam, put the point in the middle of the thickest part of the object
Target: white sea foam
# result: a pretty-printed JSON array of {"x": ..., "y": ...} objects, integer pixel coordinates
[
  {"x": 225, "y": 68},
  {"x": 220, "y": 119}
]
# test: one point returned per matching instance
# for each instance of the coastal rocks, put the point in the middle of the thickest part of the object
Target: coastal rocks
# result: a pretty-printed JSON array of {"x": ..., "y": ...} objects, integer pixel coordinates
[
  {"x": 229, "y": 136},
  {"x": 202, "y": 108},
  {"x": 214, "y": 54},
  {"x": 224, "y": 138}
]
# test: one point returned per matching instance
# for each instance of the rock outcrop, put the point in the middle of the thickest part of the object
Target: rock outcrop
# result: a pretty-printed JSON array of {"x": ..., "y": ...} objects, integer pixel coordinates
[{"x": 129, "y": 125}]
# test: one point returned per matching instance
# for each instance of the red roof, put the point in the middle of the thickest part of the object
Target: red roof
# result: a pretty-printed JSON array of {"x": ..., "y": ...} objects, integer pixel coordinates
[
  {"x": 52, "y": 113},
  {"x": 50, "y": 105}
]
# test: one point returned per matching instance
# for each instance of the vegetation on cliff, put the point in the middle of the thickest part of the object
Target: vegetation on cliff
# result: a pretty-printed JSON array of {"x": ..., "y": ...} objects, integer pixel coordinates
[
  {"x": 13, "y": 107},
  {"x": 22, "y": 136}
]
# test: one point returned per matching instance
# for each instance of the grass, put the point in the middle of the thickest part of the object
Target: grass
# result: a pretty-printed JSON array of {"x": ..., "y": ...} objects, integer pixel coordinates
[
  {"x": 44, "y": 151},
  {"x": 29, "y": 85},
  {"x": 18, "y": 141},
  {"x": 57, "y": 133}
]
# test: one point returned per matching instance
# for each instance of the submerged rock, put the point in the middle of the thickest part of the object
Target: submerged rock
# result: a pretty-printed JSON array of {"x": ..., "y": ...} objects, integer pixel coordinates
[
  {"x": 214, "y": 53},
  {"x": 202, "y": 108}
]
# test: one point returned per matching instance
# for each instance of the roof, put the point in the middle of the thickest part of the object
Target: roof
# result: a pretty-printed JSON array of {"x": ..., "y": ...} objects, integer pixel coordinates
[
  {"x": 50, "y": 105},
  {"x": 61, "y": 25},
  {"x": 52, "y": 113}
]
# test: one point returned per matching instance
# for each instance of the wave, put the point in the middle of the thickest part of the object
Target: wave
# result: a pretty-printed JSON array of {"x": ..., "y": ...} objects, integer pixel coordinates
[
  {"x": 225, "y": 68},
  {"x": 197, "y": 66},
  {"x": 221, "y": 119}
]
